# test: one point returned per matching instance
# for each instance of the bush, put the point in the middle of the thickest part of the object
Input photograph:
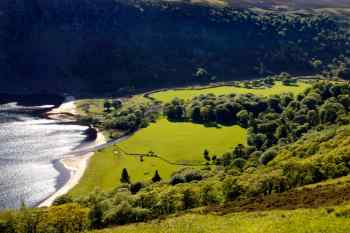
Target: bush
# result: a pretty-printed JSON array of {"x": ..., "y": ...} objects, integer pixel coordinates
[
  {"x": 62, "y": 200},
  {"x": 267, "y": 156},
  {"x": 124, "y": 213},
  {"x": 3, "y": 226},
  {"x": 344, "y": 212},
  {"x": 190, "y": 198},
  {"x": 177, "y": 179},
  {"x": 69, "y": 218},
  {"x": 239, "y": 163},
  {"x": 231, "y": 189},
  {"x": 192, "y": 175},
  {"x": 209, "y": 194},
  {"x": 136, "y": 187}
]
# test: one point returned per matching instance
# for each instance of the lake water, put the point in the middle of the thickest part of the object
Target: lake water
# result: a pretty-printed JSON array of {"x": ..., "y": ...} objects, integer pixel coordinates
[{"x": 30, "y": 150}]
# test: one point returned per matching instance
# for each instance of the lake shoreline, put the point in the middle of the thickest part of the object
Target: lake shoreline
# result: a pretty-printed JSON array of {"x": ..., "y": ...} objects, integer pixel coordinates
[{"x": 75, "y": 165}]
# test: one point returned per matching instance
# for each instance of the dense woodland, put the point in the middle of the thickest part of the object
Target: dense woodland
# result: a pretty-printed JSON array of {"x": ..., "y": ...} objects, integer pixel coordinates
[{"x": 119, "y": 46}]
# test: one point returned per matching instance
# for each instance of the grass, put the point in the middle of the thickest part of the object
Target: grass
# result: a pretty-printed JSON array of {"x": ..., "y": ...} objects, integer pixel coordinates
[
  {"x": 186, "y": 94},
  {"x": 95, "y": 107},
  {"x": 184, "y": 140},
  {"x": 89, "y": 106},
  {"x": 105, "y": 168},
  {"x": 297, "y": 221},
  {"x": 177, "y": 142}
]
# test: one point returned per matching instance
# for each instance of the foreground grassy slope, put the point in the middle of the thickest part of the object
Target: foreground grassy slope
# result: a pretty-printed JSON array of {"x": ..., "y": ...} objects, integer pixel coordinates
[
  {"x": 278, "y": 88},
  {"x": 105, "y": 168},
  {"x": 176, "y": 142},
  {"x": 298, "y": 221}
]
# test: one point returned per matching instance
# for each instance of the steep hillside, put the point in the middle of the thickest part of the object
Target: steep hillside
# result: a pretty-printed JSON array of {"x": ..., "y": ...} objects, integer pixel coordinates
[{"x": 117, "y": 46}]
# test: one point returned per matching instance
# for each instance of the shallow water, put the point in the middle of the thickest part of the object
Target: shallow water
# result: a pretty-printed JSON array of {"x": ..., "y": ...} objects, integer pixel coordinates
[{"x": 30, "y": 148}]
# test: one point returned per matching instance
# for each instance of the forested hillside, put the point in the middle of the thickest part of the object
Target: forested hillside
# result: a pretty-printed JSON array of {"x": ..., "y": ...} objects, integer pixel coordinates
[{"x": 118, "y": 46}]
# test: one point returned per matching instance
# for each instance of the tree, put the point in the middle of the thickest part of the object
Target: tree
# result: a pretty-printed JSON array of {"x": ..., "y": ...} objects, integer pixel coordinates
[
  {"x": 243, "y": 117},
  {"x": 96, "y": 216},
  {"x": 330, "y": 111},
  {"x": 177, "y": 179},
  {"x": 267, "y": 156},
  {"x": 205, "y": 114},
  {"x": 136, "y": 187},
  {"x": 257, "y": 140},
  {"x": 117, "y": 104},
  {"x": 175, "y": 110},
  {"x": 344, "y": 72},
  {"x": 156, "y": 177},
  {"x": 317, "y": 64},
  {"x": 231, "y": 189},
  {"x": 201, "y": 73},
  {"x": 196, "y": 114},
  {"x": 281, "y": 132},
  {"x": 190, "y": 199},
  {"x": 239, "y": 151},
  {"x": 125, "y": 176},
  {"x": 206, "y": 155},
  {"x": 68, "y": 218},
  {"x": 313, "y": 118},
  {"x": 107, "y": 106}
]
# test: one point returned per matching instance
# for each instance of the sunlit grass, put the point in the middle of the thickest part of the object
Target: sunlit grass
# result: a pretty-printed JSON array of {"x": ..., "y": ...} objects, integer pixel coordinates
[
  {"x": 176, "y": 142},
  {"x": 297, "y": 221},
  {"x": 278, "y": 88}
]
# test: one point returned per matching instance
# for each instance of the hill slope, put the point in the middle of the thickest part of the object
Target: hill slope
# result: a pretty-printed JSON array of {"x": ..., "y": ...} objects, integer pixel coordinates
[{"x": 117, "y": 46}]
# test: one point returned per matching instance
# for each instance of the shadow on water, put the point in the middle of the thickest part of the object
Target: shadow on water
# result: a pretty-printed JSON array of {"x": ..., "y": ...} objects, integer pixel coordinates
[{"x": 32, "y": 99}]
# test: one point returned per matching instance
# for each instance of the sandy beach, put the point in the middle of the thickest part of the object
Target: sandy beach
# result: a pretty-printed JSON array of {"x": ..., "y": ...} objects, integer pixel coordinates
[{"x": 76, "y": 164}]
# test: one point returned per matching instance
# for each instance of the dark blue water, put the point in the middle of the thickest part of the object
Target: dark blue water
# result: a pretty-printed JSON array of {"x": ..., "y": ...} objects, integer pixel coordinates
[{"x": 30, "y": 150}]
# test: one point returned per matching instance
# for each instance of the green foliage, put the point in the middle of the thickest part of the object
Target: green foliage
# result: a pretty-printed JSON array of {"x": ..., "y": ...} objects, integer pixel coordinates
[
  {"x": 136, "y": 187},
  {"x": 72, "y": 219},
  {"x": 267, "y": 156},
  {"x": 231, "y": 188},
  {"x": 125, "y": 178},
  {"x": 156, "y": 177},
  {"x": 64, "y": 199}
]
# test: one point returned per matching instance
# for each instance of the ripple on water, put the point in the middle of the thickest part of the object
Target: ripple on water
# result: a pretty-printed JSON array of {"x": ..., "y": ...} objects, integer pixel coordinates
[{"x": 29, "y": 150}]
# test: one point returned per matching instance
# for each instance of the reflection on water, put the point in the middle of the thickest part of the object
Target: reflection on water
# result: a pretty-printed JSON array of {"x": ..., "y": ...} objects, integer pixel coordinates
[{"x": 30, "y": 148}]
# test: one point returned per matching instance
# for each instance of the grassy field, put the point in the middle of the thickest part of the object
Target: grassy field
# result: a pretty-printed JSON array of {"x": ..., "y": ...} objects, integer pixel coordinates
[
  {"x": 176, "y": 142},
  {"x": 297, "y": 221},
  {"x": 95, "y": 106},
  {"x": 278, "y": 88},
  {"x": 89, "y": 106}
]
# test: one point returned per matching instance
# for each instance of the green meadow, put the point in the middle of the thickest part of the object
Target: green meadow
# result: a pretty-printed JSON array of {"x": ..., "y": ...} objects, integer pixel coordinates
[
  {"x": 186, "y": 94},
  {"x": 296, "y": 221},
  {"x": 95, "y": 107},
  {"x": 176, "y": 142}
]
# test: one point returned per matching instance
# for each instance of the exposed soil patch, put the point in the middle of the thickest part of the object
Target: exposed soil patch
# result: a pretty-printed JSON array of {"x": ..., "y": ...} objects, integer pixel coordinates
[{"x": 320, "y": 196}]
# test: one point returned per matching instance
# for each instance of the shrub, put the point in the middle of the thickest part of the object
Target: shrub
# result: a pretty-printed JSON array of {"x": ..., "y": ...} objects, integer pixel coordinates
[
  {"x": 190, "y": 198},
  {"x": 124, "y": 213},
  {"x": 136, "y": 187},
  {"x": 177, "y": 179},
  {"x": 231, "y": 189},
  {"x": 69, "y": 218},
  {"x": 267, "y": 156},
  {"x": 239, "y": 163},
  {"x": 192, "y": 175},
  {"x": 156, "y": 177},
  {"x": 343, "y": 212},
  {"x": 209, "y": 194},
  {"x": 63, "y": 200},
  {"x": 169, "y": 201}
]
